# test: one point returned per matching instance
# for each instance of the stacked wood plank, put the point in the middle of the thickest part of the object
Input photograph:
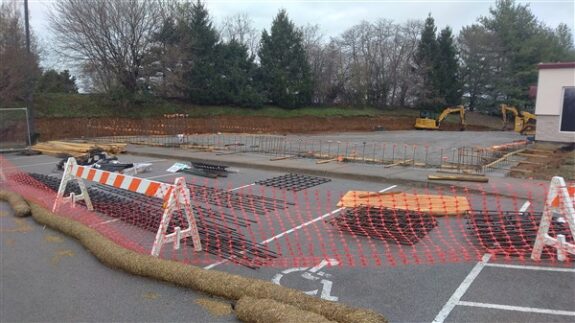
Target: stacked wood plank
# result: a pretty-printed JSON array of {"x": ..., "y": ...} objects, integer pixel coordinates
[
  {"x": 431, "y": 204},
  {"x": 76, "y": 149}
]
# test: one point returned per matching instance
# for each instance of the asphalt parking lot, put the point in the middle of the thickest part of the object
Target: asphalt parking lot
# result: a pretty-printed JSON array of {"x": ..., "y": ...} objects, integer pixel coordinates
[{"x": 49, "y": 277}]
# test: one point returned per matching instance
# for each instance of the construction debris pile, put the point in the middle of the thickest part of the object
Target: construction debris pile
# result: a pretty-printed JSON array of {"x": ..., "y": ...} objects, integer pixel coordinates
[
  {"x": 218, "y": 237},
  {"x": 99, "y": 159},
  {"x": 394, "y": 225}
]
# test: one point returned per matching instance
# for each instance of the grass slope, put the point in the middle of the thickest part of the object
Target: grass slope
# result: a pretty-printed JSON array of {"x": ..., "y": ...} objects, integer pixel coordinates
[
  {"x": 82, "y": 105},
  {"x": 94, "y": 105}
]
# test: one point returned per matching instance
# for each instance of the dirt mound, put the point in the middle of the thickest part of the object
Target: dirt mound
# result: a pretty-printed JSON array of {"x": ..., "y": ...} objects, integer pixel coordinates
[{"x": 60, "y": 128}]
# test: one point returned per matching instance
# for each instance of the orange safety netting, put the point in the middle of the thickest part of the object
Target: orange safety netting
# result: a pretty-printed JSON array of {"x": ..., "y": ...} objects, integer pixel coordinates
[{"x": 269, "y": 226}]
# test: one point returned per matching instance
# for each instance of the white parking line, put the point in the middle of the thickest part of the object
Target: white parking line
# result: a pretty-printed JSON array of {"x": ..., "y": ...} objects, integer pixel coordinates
[
  {"x": 564, "y": 270},
  {"x": 517, "y": 308},
  {"x": 301, "y": 226},
  {"x": 460, "y": 291},
  {"x": 295, "y": 229},
  {"x": 239, "y": 188},
  {"x": 455, "y": 299}
]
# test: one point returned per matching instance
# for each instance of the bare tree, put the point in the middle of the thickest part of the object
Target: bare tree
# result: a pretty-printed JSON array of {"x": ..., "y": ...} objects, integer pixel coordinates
[
  {"x": 371, "y": 64},
  {"x": 240, "y": 28},
  {"x": 18, "y": 68},
  {"x": 315, "y": 51},
  {"x": 108, "y": 39}
]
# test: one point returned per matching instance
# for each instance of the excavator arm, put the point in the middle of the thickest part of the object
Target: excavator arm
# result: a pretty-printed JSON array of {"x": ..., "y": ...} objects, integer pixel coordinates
[
  {"x": 524, "y": 122},
  {"x": 505, "y": 109},
  {"x": 447, "y": 111}
]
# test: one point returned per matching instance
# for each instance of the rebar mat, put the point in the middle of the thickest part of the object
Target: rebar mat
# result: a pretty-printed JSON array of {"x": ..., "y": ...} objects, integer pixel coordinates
[
  {"x": 511, "y": 232},
  {"x": 293, "y": 182},
  {"x": 209, "y": 167},
  {"x": 398, "y": 226},
  {"x": 219, "y": 239},
  {"x": 256, "y": 204}
]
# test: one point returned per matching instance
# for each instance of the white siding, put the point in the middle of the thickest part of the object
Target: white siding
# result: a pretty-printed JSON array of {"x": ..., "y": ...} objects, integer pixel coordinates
[
  {"x": 550, "y": 90},
  {"x": 548, "y": 130}
]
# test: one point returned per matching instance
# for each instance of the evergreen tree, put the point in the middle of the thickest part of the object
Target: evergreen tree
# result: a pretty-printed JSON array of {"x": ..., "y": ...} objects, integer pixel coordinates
[
  {"x": 236, "y": 76},
  {"x": 426, "y": 58},
  {"x": 200, "y": 39},
  {"x": 525, "y": 42},
  {"x": 53, "y": 82},
  {"x": 447, "y": 69},
  {"x": 285, "y": 72},
  {"x": 479, "y": 51}
]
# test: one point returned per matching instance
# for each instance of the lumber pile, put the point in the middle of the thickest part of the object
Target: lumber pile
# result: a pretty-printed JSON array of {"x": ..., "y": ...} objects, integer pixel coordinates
[
  {"x": 76, "y": 149},
  {"x": 425, "y": 203}
]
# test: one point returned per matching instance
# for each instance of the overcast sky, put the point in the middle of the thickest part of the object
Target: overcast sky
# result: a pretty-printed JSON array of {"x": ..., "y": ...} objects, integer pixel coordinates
[{"x": 334, "y": 17}]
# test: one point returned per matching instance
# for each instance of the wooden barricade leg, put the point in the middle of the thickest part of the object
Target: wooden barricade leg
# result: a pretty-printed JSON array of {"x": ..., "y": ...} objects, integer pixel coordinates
[
  {"x": 70, "y": 170},
  {"x": 177, "y": 198},
  {"x": 560, "y": 201}
]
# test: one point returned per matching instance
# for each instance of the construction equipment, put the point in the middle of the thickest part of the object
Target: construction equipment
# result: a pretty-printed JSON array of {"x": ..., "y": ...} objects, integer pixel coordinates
[
  {"x": 524, "y": 122},
  {"x": 427, "y": 120}
]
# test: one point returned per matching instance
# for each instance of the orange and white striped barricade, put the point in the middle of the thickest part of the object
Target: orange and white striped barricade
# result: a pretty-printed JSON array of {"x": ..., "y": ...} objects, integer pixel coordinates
[
  {"x": 175, "y": 197},
  {"x": 560, "y": 199}
]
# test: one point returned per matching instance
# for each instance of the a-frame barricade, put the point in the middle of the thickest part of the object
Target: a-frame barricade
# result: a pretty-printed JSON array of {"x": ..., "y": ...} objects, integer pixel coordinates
[
  {"x": 559, "y": 202},
  {"x": 175, "y": 197}
]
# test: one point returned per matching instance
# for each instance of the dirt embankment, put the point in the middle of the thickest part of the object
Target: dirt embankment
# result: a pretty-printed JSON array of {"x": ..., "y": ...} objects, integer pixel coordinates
[
  {"x": 59, "y": 128},
  {"x": 545, "y": 160}
]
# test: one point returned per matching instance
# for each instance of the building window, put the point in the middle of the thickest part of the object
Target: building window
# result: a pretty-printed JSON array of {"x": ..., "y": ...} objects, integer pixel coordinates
[{"x": 568, "y": 112}]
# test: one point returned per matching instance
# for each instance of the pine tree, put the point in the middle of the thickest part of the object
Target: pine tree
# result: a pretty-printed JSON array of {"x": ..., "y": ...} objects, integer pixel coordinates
[
  {"x": 236, "y": 70},
  {"x": 285, "y": 72},
  {"x": 446, "y": 69},
  {"x": 479, "y": 50},
  {"x": 525, "y": 42},
  {"x": 200, "y": 39},
  {"x": 53, "y": 82},
  {"x": 426, "y": 59}
]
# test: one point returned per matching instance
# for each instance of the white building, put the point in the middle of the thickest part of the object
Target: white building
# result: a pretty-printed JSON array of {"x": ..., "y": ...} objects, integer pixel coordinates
[{"x": 555, "y": 104}]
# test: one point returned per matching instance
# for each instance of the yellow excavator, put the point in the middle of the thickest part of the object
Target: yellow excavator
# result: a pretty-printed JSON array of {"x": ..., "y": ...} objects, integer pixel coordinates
[
  {"x": 427, "y": 120},
  {"x": 524, "y": 122}
]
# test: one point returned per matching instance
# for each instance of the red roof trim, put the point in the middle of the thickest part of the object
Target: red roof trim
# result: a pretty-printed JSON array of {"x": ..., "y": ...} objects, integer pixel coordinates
[{"x": 544, "y": 66}]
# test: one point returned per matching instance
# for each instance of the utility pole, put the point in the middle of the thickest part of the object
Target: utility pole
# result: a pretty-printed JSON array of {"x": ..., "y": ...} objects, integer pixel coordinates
[{"x": 29, "y": 98}]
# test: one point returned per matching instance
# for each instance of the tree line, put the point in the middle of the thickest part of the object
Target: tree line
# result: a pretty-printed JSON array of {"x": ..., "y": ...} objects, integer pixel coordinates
[{"x": 134, "y": 49}]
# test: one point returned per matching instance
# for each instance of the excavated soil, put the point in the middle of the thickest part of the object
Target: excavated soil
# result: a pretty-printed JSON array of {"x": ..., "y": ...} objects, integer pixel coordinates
[
  {"x": 545, "y": 160},
  {"x": 61, "y": 128}
]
